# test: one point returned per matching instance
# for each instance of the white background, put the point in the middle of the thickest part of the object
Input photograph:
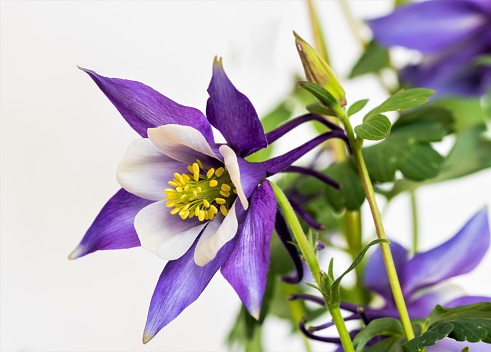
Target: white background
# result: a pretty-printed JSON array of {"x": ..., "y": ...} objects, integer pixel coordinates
[{"x": 61, "y": 141}]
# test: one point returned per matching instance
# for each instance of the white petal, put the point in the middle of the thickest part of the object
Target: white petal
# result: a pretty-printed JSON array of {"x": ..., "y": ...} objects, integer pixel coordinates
[
  {"x": 165, "y": 234},
  {"x": 230, "y": 161},
  {"x": 182, "y": 143},
  {"x": 145, "y": 171},
  {"x": 218, "y": 232}
]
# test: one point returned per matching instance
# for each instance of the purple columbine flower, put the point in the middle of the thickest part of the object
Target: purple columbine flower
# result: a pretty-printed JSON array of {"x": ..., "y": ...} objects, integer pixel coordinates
[
  {"x": 192, "y": 201},
  {"x": 421, "y": 277},
  {"x": 451, "y": 35}
]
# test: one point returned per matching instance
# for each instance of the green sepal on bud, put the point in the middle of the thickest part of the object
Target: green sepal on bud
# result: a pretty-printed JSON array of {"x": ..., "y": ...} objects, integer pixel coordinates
[{"x": 317, "y": 70}]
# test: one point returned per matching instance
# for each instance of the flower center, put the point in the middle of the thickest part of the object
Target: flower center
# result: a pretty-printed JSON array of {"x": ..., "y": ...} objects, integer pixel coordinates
[{"x": 201, "y": 193}]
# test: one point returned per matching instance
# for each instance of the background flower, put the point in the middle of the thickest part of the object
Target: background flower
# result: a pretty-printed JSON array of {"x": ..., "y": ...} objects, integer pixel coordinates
[{"x": 451, "y": 35}]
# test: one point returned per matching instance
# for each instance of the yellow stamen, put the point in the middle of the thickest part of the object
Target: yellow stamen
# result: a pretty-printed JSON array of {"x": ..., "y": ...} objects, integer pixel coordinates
[
  {"x": 201, "y": 193},
  {"x": 201, "y": 215},
  {"x": 223, "y": 210},
  {"x": 220, "y": 201},
  {"x": 220, "y": 171}
]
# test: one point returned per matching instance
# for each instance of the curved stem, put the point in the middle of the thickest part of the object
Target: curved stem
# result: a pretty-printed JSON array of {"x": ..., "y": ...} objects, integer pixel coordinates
[
  {"x": 280, "y": 163},
  {"x": 377, "y": 219},
  {"x": 312, "y": 262},
  {"x": 279, "y": 132}
]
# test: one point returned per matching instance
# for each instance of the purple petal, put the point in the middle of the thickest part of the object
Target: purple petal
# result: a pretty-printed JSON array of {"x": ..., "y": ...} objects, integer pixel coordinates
[
  {"x": 376, "y": 276},
  {"x": 247, "y": 267},
  {"x": 454, "y": 72},
  {"x": 428, "y": 26},
  {"x": 143, "y": 107},
  {"x": 451, "y": 345},
  {"x": 179, "y": 285},
  {"x": 466, "y": 300},
  {"x": 113, "y": 227},
  {"x": 457, "y": 256},
  {"x": 233, "y": 115}
]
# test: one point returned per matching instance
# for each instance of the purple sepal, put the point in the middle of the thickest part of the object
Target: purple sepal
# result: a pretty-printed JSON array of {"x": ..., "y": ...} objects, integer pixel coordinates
[
  {"x": 143, "y": 107},
  {"x": 247, "y": 267},
  {"x": 113, "y": 227},
  {"x": 376, "y": 276},
  {"x": 179, "y": 285},
  {"x": 233, "y": 115},
  {"x": 457, "y": 256},
  {"x": 429, "y": 26}
]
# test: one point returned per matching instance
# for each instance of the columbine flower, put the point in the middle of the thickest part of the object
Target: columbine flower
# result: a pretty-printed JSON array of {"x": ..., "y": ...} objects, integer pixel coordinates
[
  {"x": 451, "y": 35},
  {"x": 418, "y": 276},
  {"x": 191, "y": 201}
]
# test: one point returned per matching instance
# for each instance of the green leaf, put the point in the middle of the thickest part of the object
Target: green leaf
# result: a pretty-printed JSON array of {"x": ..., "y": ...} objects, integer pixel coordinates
[
  {"x": 472, "y": 330},
  {"x": 467, "y": 112},
  {"x": 470, "y": 323},
  {"x": 428, "y": 338},
  {"x": 408, "y": 147},
  {"x": 402, "y": 100},
  {"x": 375, "y": 58},
  {"x": 357, "y": 106},
  {"x": 389, "y": 344},
  {"x": 324, "y": 97},
  {"x": 471, "y": 153},
  {"x": 377, "y": 327},
  {"x": 477, "y": 310},
  {"x": 374, "y": 128},
  {"x": 357, "y": 261},
  {"x": 351, "y": 195},
  {"x": 318, "y": 108}
]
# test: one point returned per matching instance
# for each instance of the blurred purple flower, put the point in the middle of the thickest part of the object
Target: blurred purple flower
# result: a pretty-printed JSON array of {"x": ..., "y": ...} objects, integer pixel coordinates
[
  {"x": 418, "y": 276},
  {"x": 451, "y": 35},
  {"x": 192, "y": 201}
]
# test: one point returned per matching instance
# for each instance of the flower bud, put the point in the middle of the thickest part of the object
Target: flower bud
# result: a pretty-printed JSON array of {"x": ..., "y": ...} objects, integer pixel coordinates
[{"x": 317, "y": 70}]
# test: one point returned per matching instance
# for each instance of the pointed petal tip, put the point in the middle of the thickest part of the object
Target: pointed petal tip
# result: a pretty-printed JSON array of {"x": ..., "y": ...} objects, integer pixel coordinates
[
  {"x": 256, "y": 314},
  {"x": 77, "y": 253},
  {"x": 217, "y": 62},
  {"x": 147, "y": 337}
]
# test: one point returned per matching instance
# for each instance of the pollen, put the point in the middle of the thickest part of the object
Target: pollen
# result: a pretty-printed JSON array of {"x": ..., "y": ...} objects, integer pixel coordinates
[{"x": 202, "y": 193}]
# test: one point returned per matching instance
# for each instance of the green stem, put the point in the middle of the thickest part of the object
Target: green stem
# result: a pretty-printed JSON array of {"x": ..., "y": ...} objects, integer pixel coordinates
[
  {"x": 351, "y": 224},
  {"x": 385, "y": 248},
  {"x": 414, "y": 213},
  {"x": 311, "y": 260}
]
